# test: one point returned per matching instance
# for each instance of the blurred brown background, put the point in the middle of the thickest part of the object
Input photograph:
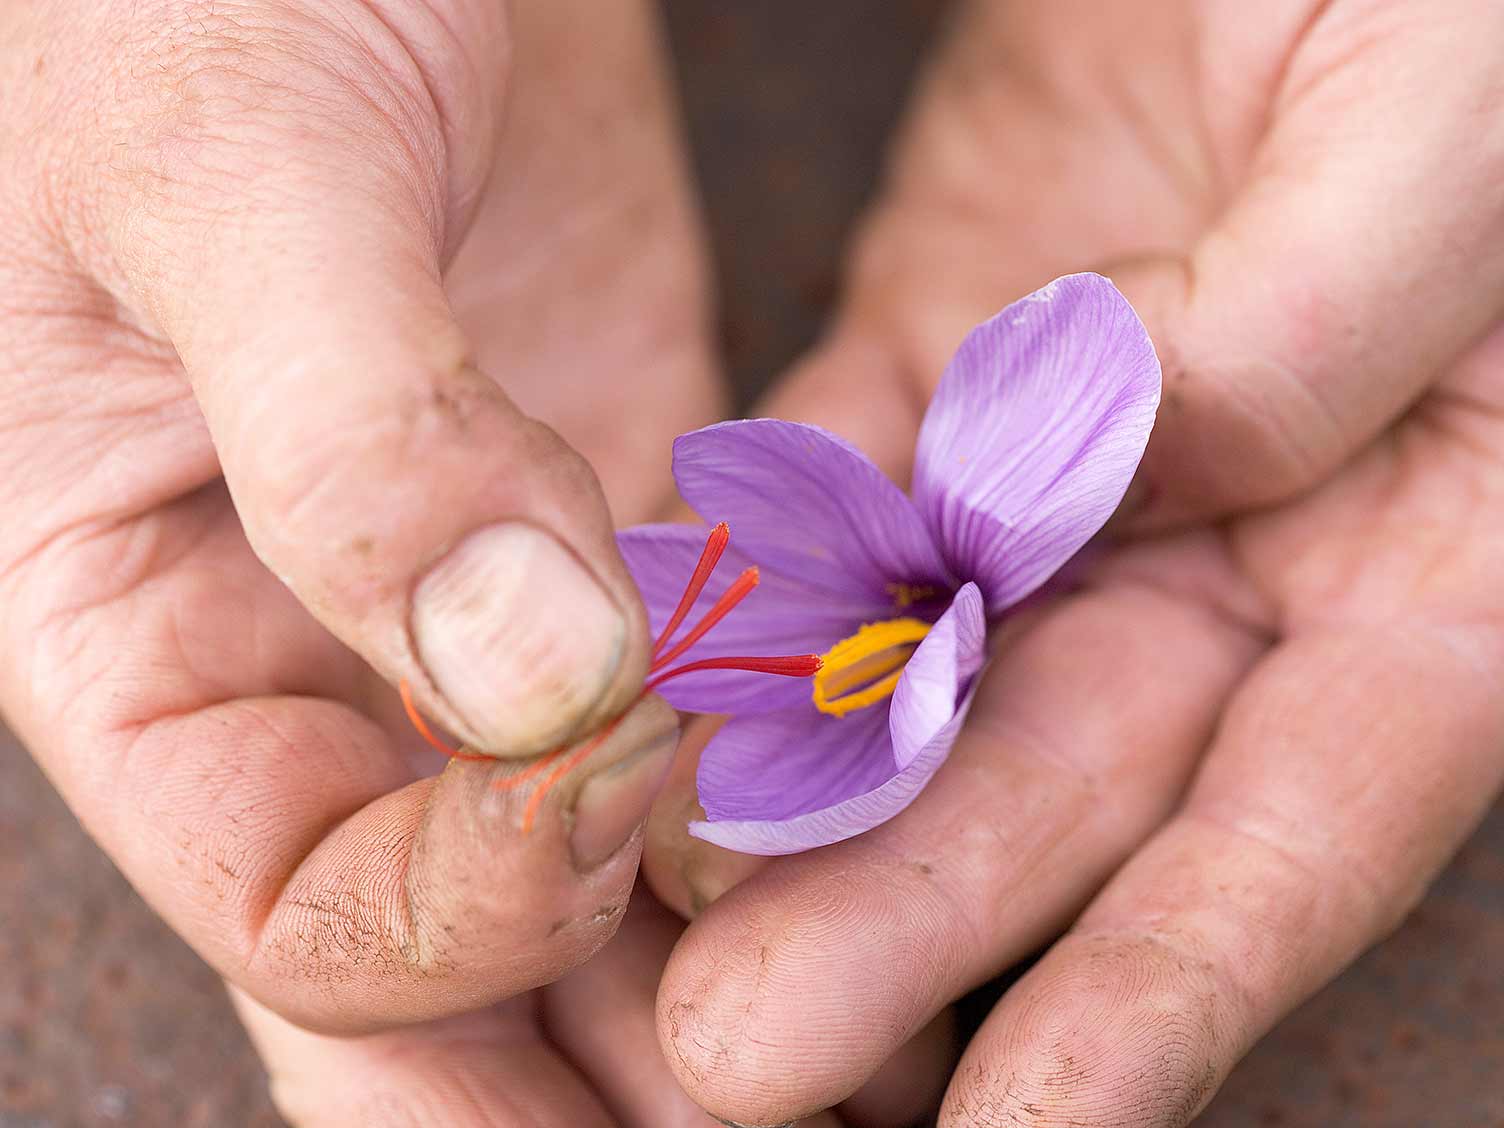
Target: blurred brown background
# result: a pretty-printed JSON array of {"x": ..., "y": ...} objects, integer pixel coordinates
[{"x": 106, "y": 1019}]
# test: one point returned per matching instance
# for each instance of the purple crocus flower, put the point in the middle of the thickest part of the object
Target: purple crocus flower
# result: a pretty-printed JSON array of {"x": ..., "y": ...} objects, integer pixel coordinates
[{"x": 1027, "y": 448}]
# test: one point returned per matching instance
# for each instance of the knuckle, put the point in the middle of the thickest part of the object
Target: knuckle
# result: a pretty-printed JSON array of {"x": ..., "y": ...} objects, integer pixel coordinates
[
  {"x": 299, "y": 483},
  {"x": 1266, "y": 432},
  {"x": 1258, "y": 399},
  {"x": 307, "y": 480}
]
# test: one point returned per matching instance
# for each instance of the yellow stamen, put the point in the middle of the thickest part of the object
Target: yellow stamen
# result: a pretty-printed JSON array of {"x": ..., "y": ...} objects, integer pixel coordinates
[{"x": 864, "y": 669}]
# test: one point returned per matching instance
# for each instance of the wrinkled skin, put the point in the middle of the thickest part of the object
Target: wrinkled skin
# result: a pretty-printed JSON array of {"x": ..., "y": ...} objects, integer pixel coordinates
[{"x": 1235, "y": 758}]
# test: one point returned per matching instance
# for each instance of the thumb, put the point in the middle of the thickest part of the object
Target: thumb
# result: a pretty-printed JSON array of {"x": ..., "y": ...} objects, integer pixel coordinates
[
  {"x": 1340, "y": 282},
  {"x": 292, "y": 256}
]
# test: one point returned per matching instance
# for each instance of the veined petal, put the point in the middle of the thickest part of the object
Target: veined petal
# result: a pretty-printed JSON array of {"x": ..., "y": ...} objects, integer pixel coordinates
[
  {"x": 775, "y": 766},
  {"x": 1034, "y": 434},
  {"x": 938, "y": 676},
  {"x": 794, "y": 780},
  {"x": 777, "y": 618},
  {"x": 808, "y": 505}
]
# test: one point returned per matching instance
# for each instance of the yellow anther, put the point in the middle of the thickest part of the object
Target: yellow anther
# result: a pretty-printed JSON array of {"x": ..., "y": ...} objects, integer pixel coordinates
[{"x": 864, "y": 669}]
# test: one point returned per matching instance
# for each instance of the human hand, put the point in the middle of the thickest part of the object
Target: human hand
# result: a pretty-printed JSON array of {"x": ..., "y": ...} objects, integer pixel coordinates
[
  {"x": 1245, "y": 746},
  {"x": 278, "y": 243}
]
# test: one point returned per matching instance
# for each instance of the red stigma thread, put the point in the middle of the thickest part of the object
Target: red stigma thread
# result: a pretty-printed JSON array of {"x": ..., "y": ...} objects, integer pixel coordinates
[
  {"x": 740, "y": 588},
  {"x": 794, "y": 666},
  {"x": 556, "y": 763},
  {"x": 720, "y": 537}
]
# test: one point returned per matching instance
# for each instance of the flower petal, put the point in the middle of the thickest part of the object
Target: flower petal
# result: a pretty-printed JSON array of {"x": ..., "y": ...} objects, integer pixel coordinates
[
  {"x": 1035, "y": 432},
  {"x": 791, "y": 781},
  {"x": 938, "y": 675},
  {"x": 807, "y": 504},
  {"x": 776, "y": 618},
  {"x": 776, "y": 766}
]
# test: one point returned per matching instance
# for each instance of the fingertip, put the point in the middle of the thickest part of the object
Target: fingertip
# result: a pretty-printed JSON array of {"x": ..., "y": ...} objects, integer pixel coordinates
[
  {"x": 759, "y": 1011},
  {"x": 724, "y": 1048},
  {"x": 1124, "y": 1028},
  {"x": 454, "y": 543}
]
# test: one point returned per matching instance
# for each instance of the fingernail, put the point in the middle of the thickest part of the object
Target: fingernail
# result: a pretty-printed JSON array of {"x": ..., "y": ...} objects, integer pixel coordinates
[
  {"x": 612, "y": 805},
  {"x": 518, "y": 637},
  {"x": 736, "y": 1124}
]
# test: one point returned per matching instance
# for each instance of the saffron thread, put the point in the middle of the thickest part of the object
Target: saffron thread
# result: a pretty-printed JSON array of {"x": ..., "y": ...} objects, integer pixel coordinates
[
  {"x": 793, "y": 665},
  {"x": 715, "y": 546},
  {"x": 790, "y": 666},
  {"x": 740, "y": 588},
  {"x": 531, "y": 771},
  {"x": 535, "y": 800}
]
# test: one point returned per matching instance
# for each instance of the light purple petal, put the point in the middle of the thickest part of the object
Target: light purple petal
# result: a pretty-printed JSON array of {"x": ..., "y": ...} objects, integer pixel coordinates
[
  {"x": 775, "y": 766},
  {"x": 777, "y": 618},
  {"x": 809, "y": 505},
  {"x": 791, "y": 781},
  {"x": 938, "y": 674},
  {"x": 1034, "y": 434}
]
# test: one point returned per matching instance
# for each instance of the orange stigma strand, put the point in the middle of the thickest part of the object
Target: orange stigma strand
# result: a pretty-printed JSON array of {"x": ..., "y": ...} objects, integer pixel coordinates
[
  {"x": 720, "y": 537},
  {"x": 535, "y": 800},
  {"x": 733, "y": 595},
  {"x": 789, "y": 666},
  {"x": 425, "y": 732},
  {"x": 532, "y": 771},
  {"x": 793, "y": 666}
]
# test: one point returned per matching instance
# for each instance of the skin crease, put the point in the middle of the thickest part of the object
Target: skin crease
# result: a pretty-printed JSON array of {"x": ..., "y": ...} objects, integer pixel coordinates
[{"x": 1236, "y": 758}]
